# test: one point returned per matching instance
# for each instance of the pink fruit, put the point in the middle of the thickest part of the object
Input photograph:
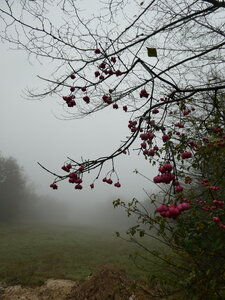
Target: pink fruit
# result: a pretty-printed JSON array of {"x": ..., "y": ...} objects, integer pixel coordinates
[
  {"x": 54, "y": 186},
  {"x": 102, "y": 65},
  {"x": 162, "y": 208},
  {"x": 86, "y": 99},
  {"x": 168, "y": 167},
  {"x": 117, "y": 184},
  {"x": 157, "y": 179},
  {"x": 214, "y": 188},
  {"x": 144, "y": 94},
  {"x": 78, "y": 187},
  {"x": 216, "y": 219},
  {"x": 113, "y": 59},
  {"x": 155, "y": 111},
  {"x": 186, "y": 155},
  {"x": 97, "y": 73},
  {"x": 179, "y": 189},
  {"x": 97, "y": 51},
  {"x": 118, "y": 73},
  {"x": 165, "y": 138}
]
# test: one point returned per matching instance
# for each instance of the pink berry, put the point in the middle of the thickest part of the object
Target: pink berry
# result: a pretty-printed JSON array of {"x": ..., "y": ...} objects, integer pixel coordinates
[
  {"x": 165, "y": 138},
  {"x": 54, "y": 186},
  {"x": 186, "y": 155}
]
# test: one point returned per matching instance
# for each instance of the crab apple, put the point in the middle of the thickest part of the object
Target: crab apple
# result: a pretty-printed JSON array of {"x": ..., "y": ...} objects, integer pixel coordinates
[
  {"x": 216, "y": 219},
  {"x": 155, "y": 111},
  {"x": 186, "y": 155},
  {"x": 101, "y": 77},
  {"x": 222, "y": 226},
  {"x": 78, "y": 187},
  {"x": 84, "y": 89},
  {"x": 97, "y": 51},
  {"x": 144, "y": 94},
  {"x": 156, "y": 148},
  {"x": 72, "y": 88},
  {"x": 179, "y": 189},
  {"x": 92, "y": 185},
  {"x": 117, "y": 184},
  {"x": 115, "y": 106},
  {"x": 165, "y": 138},
  {"x": 86, "y": 99},
  {"x": 104, "y": 179},
  {"x": 72, "y": 76},
  {"x": 54, "y": 186},
  {"x": 125, "y": 108},
  {"x": 97, "y": 73},
  {"x": 109, "y": 181}
]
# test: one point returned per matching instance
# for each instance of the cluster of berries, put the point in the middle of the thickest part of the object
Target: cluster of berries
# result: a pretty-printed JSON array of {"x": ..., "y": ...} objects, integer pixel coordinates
[{"x": 172, "y": 210}]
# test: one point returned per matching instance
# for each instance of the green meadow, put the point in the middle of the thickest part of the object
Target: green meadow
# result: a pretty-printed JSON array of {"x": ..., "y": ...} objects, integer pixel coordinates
[{"x": 32, "y": 253}]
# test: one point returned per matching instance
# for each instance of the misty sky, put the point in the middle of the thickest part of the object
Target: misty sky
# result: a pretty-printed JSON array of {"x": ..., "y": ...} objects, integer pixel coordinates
[{"x": 33, "y": 131}]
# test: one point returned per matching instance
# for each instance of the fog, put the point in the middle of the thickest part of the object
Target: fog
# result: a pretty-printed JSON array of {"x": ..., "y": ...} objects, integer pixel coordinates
[{"x": 37, "y": 131}]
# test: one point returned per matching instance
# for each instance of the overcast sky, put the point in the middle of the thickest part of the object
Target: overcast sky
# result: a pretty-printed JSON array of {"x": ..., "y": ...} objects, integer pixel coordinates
[{"x": 33, "y": 131}]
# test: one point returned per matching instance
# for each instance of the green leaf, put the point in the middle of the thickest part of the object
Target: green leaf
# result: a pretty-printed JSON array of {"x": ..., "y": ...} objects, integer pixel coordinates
[{"x": 152, "y": 52}]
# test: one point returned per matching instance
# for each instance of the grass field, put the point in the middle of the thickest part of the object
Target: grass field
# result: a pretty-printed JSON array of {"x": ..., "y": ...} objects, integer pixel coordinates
[{"x": 32, "y": 253}]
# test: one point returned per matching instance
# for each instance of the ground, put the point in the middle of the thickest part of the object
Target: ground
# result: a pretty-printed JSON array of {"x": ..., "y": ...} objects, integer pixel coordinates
[{"x": 107, "y": 284}]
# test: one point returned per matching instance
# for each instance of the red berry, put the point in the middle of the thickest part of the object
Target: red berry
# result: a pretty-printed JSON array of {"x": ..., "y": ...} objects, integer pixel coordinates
[
  {"x": 115, "y": 106},
  {"x": 97, "y": 51},
  {"x": 113, "y": 59},
  {"x": 179, "y": 189},
  {"x": 165, "y": 138},
  {"x": 97, "y": 73},
  {"x": 72, "y": 76},
  {"x": 86, "y": 99},
  {"x": 117, "y": 184},
  {"x": 101, "y": 77},
  {"x": 54, "y": 186},
  {"x": 83, "y": 89},
  {"x": 102, "y": 65},
  {"x": 144, "y": 94},
  {"x": 118, "y": 73},
  {"x": 92, "y": 185},
  {"x": 186, "y": 155},
  {"x": 72, "y": 88},
  {"x": 125, "y": 108},
  {"x": 216, "y": 219}
]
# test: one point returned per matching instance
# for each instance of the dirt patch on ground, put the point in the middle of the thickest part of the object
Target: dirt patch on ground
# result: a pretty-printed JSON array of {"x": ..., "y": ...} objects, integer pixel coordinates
[{"x": 107, "y": 284}]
